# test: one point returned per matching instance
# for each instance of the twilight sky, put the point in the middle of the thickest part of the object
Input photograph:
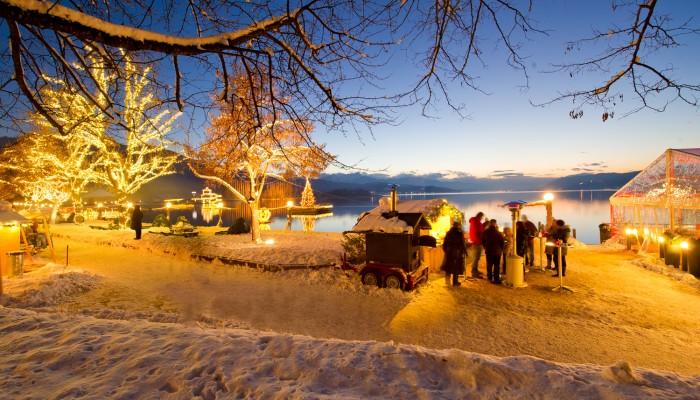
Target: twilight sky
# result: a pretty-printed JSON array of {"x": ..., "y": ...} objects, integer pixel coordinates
[{"x": 505, "y": 134}]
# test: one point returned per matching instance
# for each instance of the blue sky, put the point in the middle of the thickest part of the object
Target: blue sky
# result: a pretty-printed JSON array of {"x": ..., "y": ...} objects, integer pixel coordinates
[{"x": 505, "y": 134}]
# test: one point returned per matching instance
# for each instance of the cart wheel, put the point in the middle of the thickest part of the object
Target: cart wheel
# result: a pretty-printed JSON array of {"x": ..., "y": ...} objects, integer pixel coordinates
[
  {"x": 394, "y": 282},
  {"x": 369, "y": 278}
]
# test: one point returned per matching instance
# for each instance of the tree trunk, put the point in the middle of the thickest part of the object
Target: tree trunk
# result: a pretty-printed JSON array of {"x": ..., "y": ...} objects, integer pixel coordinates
[
  {"x": 54, "y": 211},
  {"x": 254, "y": 221}
]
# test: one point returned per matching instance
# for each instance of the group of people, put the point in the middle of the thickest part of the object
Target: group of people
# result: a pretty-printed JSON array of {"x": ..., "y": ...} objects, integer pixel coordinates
[{"x": 486, "y": 237}]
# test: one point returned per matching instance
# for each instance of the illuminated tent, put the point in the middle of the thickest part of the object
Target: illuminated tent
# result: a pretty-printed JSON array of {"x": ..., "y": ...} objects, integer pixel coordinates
[{"x": 665, "y": 195}]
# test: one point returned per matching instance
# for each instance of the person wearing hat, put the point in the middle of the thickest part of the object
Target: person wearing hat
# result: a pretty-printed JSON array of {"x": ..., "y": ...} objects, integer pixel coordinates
[{"x": 530, "y": 233}]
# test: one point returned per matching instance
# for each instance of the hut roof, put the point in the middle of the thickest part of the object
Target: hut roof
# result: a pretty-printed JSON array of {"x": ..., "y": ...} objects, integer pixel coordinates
[{"x": 10, "y": 216}]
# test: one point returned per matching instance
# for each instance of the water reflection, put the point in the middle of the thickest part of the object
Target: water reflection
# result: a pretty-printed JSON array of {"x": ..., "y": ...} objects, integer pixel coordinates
[{"x": 583, "y": 210}]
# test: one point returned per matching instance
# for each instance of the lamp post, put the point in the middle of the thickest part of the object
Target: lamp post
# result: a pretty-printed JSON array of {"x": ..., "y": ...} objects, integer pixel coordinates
[
  {"x": 168, "y": 206},
  {"x": 548, "y": 197},
  {"x": 630, "y": 234},
  {"x": 289, "y": 215},
  {"x": 684, "y": 246},
  {"x": 99, "y": 210},
  {"x": 251, "y": 200},
  {"x": 219, "y": 206}
]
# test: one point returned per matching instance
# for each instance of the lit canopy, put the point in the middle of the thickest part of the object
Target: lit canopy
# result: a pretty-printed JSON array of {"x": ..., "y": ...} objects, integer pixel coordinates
[{"x": 667, "y": 192}]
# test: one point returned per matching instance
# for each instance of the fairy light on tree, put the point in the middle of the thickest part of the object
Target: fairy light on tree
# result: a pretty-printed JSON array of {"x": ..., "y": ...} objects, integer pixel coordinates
[
  {"x": 249, "y": 139},
  {"x": 122, "y": 152},
  {"x": 143, "y": 154},
  {"x": 49, "y": 167},
  {"x": 307, "y": 195}
]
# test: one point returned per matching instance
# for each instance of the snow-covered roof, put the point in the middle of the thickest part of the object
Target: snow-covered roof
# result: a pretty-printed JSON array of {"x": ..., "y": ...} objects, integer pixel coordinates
[
  {"x": 408, "y": 206},
  {"x": 370, "y": 221},
  {"x": 406, "y": 221},
  {"x": 10, "y": 216}
]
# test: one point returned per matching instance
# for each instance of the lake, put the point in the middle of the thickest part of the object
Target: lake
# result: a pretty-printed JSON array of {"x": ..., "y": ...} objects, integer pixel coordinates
[{"x": 583, "y": 210}]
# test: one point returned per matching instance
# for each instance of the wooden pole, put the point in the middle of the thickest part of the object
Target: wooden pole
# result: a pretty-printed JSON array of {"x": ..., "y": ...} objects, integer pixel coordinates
[{"x": 26, "y": 244}]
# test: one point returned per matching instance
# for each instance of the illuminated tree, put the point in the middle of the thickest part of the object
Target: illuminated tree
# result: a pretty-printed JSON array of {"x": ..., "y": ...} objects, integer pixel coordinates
[
  {"x": 122, "y": 153},
  {"x": 307, "y": 195},
  {"x": 39, "y": 161},
  {"x": 144, "y": 154},
  {"x": 249, "y": 139}
]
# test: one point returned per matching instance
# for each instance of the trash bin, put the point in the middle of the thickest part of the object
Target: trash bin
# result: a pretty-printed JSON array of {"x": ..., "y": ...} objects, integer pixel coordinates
[
  {"x": 605, "y": 232},
  {"x": 694, "y": 257},
  {"x": 14, "y": 263},
  {"x": 673, "y": 255}
]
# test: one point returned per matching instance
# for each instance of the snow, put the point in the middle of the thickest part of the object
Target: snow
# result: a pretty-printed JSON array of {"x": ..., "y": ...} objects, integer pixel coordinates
[
  {"x": 377, "y": 223},
  {"x": 146, "y": 319},
  {"x": 374, "y": 220}
]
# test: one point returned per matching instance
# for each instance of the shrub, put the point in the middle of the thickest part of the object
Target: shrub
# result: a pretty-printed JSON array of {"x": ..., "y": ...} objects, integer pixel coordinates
[
  {"x": 161, "y": 221},
  {"x": 238, "y": 227},
  {"x": 355, "y": 247}
]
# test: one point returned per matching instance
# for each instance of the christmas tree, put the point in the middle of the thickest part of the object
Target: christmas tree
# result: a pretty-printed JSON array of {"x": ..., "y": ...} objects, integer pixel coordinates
[{"x": 307, "y": 196}]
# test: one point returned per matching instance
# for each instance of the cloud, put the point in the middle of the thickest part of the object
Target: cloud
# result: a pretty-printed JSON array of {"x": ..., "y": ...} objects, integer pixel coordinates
[
  {"x": 506, "y": 173},
  {"x": 590, "y": 167}
]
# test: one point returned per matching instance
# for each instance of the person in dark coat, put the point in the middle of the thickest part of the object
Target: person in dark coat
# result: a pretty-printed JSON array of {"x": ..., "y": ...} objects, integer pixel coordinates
[
  {"x": 531, "y": 231},
  {"x": 455, "y": 252},
  {"x": 136, "y": 218},
  {"x": 520, "y": 239},
  {"x": 562, "y": 235},
  {"x": 493, "y": 242},
  {"x": 549, "y": 249}
]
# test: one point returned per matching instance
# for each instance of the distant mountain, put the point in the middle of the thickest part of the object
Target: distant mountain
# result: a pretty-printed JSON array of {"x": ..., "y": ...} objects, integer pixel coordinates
[
  {"x": 591, "y": 181},
  {"x": 348, "y": 185},
  {"x": 175, "y": 186},
  {"x": 334, "y": 186},
  {"x": 454, "y": 182}
]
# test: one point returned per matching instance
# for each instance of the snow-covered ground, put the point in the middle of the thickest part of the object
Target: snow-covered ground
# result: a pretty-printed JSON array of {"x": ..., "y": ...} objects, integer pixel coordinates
[{"x": 143, "y": 319}]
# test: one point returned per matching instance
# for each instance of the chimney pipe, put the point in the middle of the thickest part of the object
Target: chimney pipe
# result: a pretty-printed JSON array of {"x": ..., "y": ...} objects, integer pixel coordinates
[{"x": 393, "y": 199}]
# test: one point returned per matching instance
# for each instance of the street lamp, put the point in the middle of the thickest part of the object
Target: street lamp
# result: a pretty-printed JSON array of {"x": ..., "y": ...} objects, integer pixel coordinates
[
  {"x": 289, "y": 215},
  {"x": 548, "y": 197},
  {"x": 219, "y": 206},
  {"x": 168, "y": 206}
]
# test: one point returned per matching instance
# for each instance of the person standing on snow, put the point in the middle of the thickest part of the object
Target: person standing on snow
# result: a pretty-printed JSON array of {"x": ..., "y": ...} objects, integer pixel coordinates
[
  {"x": 136, "y": 218},
  {"x": 562, "y": 235},
  {"x": 549, "y": 250},
  {"x": 493, "y": 246},
  {"x": 476, "y": 231},
  {"x": 455, "y": 251},
  {"x": 531, "y": 231}
]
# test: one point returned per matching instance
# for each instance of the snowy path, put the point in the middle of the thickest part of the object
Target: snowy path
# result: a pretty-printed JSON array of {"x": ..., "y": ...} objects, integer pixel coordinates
[{"x": 619, "y": 311}]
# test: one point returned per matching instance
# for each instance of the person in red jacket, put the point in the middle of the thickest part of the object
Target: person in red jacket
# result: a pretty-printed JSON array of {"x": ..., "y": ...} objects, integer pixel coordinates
[{"x": 476, "y": 232}]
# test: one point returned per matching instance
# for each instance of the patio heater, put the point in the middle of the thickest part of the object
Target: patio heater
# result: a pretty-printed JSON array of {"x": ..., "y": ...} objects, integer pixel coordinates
[{"x": 515, "y": 267}]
